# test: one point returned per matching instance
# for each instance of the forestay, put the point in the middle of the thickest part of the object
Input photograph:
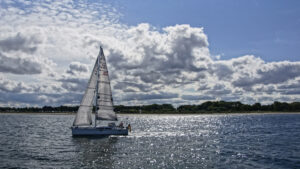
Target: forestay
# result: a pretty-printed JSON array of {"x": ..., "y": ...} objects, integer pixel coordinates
[
  {"x": 84, "y": 113},
  {"x": 104, "y": 101}
]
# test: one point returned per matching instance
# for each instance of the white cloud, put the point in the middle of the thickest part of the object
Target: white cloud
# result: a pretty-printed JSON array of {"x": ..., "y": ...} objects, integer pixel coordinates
[
  {"x": 19, "y": 65},
  {"x": 47, "y": 50},
  {"x": 11, "y": 86},
  {"x": 77, "y": 68}
]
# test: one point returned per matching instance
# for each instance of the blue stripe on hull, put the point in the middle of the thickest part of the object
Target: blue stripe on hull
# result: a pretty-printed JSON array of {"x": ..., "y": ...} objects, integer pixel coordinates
[{"x": 99, "y": 131}]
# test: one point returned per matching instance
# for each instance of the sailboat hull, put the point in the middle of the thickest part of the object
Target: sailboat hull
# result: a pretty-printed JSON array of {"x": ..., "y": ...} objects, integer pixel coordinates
[{"x": 98, "y": 131}]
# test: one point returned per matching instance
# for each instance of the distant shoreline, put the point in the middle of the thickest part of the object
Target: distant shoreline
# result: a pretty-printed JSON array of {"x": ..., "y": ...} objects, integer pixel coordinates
[
  {"x": 208, "y": 107},
  {"x": 205, "y": 113},
  {"x": 217, "y": 113},
  {"x": 41, "y": 113}
]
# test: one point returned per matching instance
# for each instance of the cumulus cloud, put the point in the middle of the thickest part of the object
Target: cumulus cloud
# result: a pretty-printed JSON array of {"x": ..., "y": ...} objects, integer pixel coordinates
[
  {"x": 293, "y": 85},
  {"x": 132, "y": 87},
  {"x": 150, "y": 96},
  {"x": 11, "y": 86},
  {"x": 76, "y": 67},
  {"x": 219, "y": 90},
  {"x": 50, "y": 48},
  {"x": 155, "y": 55},
  {"x": 74, "y": 84},
  {"x": 38, "y": 99},
  {"x": 222, "y": 70},
  {"x": 19, "y": 65},
  {"x": 197, "y": 97},
  {"x": 19, "y": 43},
  {"x": 271, "y": 73}
]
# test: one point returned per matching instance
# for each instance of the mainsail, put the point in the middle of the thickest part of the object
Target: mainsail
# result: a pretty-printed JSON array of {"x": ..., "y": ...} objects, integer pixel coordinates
[
  {"x": 104, "y": 104},
  {"x": 98, "y": 80},
  {"x": 84, "y": 113}
]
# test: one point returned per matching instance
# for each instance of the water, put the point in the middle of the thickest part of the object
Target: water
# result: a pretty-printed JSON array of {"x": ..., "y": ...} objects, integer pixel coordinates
[{"x": 157, "y": 141}]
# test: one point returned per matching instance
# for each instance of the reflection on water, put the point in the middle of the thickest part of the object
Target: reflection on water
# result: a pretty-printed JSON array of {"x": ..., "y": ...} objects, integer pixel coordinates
[
  {"x": 156, "y": 141},
  {"x": 93, "y": 152}
]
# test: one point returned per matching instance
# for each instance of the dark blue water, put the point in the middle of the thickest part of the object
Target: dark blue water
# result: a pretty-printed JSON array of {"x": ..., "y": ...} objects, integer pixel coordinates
[{"x": 157, "y": 141}]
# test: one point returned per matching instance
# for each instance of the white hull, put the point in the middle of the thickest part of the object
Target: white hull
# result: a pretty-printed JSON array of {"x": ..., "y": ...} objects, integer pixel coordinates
[{"x": 98, "y": 131}]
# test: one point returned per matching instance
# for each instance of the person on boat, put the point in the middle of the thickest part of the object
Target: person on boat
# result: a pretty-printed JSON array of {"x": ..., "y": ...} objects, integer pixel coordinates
[
  {"x": 121, "y": 125},
  {"x": 129, "y": 127}
]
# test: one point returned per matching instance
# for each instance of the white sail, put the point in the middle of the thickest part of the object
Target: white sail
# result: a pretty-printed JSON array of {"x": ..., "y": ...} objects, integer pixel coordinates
[
  {"x": 84, "y": 113},
  {"x": 104, "y": 101}
]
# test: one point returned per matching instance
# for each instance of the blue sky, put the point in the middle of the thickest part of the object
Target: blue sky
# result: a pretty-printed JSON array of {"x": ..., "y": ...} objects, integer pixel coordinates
[
  {"x": 268, "y": 28},
  {"x": 177, "y": 52}
]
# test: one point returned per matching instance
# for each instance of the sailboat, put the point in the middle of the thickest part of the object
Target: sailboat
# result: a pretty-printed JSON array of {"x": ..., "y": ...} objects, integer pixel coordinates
[{"x": 98, "y": 93}]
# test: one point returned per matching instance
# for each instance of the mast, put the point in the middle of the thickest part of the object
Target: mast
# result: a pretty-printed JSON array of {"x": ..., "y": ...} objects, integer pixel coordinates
[
  {"x": 97, "y": 86},
  {"x": 140, "y": 111}
]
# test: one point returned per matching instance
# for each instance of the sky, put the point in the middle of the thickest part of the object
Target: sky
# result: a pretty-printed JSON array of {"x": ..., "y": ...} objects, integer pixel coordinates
[{"x": 174, "y": 52}]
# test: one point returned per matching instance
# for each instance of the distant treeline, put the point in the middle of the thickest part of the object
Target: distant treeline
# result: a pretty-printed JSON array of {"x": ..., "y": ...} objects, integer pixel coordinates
[
  {"x": 222, "y": 106},
  {"x": 206, "y": 107},
  {"x": 47, "y": 109},
  {"x": 211, "y": 107}
]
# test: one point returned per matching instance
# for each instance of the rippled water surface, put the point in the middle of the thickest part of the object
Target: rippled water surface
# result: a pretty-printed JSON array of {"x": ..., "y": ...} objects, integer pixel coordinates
[{"x": 157, "y": 141}]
